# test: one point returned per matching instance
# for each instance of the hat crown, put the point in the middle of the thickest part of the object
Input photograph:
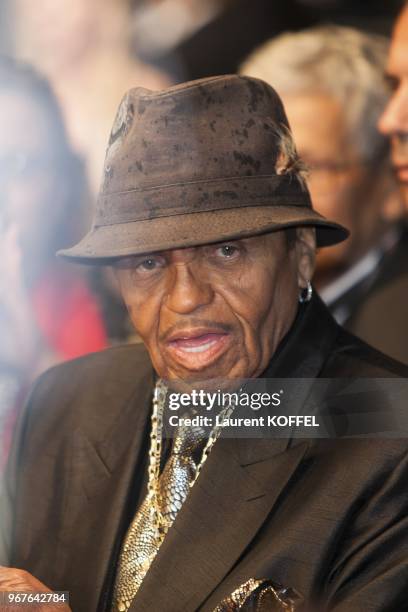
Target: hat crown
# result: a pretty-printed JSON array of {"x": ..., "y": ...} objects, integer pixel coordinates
[
  {"x": 205, "y": 130},
  {"x": 212, "y": 128}
]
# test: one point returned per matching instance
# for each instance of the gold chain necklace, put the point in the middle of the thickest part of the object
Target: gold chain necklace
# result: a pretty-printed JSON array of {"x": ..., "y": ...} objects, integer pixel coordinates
[{"x": 159, "y": 399}]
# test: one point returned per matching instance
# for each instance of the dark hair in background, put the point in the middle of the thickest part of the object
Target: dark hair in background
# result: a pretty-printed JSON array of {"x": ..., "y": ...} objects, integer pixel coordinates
[{"x": 21, "y": 79}]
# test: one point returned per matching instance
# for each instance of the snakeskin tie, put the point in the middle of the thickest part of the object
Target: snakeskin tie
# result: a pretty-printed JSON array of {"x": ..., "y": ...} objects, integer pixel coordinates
[{"x": 143, "y": 540}]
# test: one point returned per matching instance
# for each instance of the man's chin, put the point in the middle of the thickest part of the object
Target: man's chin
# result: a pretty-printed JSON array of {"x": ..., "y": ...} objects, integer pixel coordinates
[
  {"x": 208, "y": 385},
  {"x": 208, "y": 379}
]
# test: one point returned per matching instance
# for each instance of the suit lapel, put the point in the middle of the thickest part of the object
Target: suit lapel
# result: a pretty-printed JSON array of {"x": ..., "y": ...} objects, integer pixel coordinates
[{"x": 104, "y": 471}]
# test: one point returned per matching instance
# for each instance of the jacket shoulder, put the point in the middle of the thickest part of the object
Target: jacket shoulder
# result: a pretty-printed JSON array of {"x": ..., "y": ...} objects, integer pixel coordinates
[
  {"x": 96, "y": 383},
  {"x": 351, "y": 357},
  {"x": 118, "y": 361}
]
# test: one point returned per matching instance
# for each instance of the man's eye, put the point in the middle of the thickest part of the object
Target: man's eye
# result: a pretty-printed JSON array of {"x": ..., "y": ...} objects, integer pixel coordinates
[
  {"x": 148, "y": 264},
  {"x": 141, "y": 266},
  {"x": 228, "y": 251}
]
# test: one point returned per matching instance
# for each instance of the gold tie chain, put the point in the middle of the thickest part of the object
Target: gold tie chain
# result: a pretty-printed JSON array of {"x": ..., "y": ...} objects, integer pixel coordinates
[
  {"x": 159, "y": 398},
  {"x": 159, "y": 508}
]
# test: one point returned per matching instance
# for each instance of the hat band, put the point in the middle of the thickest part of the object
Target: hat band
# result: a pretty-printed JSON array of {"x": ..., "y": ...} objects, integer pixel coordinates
[{"x": 199, "y": 196}]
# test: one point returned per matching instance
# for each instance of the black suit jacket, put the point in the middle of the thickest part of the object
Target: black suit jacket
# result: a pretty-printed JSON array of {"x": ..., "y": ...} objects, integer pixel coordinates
[
  {"x": 327, "y": 517},
  {"x": 377, "y": 306}
]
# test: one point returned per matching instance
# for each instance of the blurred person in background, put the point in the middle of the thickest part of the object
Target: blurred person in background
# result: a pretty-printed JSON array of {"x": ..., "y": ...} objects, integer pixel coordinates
[
  {"x": 234, "y": 31},
  {"x": 47, "y": 311},
  {"x": 84, "y": 48},
  {"x": 394, "y": 121},
  {"x": 332, "y": 83},
  {"x": 160, "y": 25}
]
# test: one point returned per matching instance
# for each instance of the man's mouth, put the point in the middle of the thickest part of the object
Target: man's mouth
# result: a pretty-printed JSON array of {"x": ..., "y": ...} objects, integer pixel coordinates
[{"x": 198, "y": 348}]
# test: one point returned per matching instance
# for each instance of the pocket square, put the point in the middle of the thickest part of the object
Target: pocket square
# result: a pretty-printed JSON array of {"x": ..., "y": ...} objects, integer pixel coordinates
[{"x": 261, "y": 595}]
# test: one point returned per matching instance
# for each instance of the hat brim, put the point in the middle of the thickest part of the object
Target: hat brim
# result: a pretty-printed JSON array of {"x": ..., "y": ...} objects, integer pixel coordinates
[{"x": 105, "y": 244}]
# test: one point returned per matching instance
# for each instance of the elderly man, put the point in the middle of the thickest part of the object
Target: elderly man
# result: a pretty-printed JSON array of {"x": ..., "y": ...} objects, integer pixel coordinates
[
  {"x": 331, "y": 80},
  {"x": 206, "y": 218}
]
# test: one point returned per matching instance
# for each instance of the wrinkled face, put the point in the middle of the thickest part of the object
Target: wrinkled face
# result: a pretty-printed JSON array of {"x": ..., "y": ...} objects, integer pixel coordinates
[
  {"x": 342, "y": 185},
  {"x": 394, "y": 121},
  {"x": 219, "y": 310}
]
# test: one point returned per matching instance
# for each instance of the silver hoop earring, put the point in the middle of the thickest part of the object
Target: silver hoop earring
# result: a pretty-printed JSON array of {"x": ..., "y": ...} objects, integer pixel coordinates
[{"x": 306, "y": 293}]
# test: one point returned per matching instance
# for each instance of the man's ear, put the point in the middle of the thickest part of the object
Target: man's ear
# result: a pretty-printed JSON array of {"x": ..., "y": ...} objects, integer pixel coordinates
[{"x": 305, "y": 254}]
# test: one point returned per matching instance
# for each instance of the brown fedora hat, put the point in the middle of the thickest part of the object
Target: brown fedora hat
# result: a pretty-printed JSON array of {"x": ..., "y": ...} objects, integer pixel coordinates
[{"x": 197, "y": 163}]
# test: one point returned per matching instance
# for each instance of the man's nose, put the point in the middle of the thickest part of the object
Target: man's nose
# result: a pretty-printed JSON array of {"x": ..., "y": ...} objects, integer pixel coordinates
[
  {"x": 187, "y": 290},
  {"x": 395, "y": 116}
]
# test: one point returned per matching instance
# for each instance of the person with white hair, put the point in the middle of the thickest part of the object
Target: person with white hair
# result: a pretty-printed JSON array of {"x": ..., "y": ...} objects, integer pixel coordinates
[{"x": 331, "y": 79}]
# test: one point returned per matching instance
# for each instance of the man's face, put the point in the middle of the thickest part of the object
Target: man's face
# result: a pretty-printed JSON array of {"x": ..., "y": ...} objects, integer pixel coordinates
[
  {"x": 219, "y": 310},
  {"x": 394, "y": 121},
  {"x": 342, "y": 185}
]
